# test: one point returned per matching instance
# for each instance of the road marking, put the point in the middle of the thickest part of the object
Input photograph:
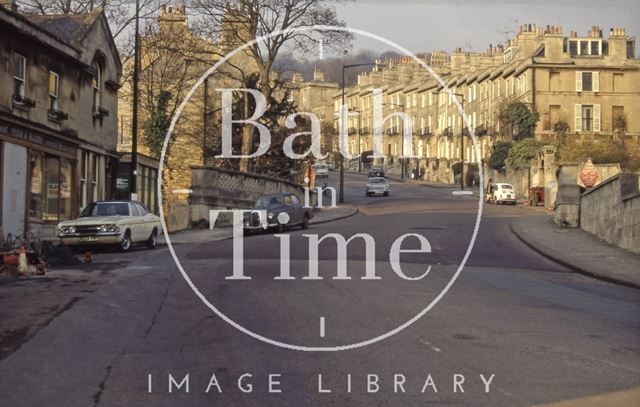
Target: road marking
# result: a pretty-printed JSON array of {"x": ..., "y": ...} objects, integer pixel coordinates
[
  {"x": 429, "y": 345},
  {"x": 462, "y": 192},
  {"x": 322, "y": 327}
]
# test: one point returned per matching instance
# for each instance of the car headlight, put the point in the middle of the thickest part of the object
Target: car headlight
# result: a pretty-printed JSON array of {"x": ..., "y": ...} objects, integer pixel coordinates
[
  {"x": 109, "y": 229},
  {"x": 270, "y": 216},
  {"x": 67, "y": 230}
]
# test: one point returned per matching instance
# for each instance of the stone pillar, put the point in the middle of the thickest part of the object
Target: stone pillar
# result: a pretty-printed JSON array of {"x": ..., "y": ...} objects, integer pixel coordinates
[{"x": 567, "y": 206}]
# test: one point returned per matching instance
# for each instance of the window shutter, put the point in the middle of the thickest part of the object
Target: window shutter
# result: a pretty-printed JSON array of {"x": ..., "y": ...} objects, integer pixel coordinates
[
  {"x": 578, "y": 117},
  {"x": 596, "y": 118},
  {"x": 596, "y": 81},
  {"x": 578, "y": 82}
]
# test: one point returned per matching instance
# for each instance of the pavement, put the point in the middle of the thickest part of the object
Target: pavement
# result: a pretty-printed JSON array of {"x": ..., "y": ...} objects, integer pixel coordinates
[
  {"x": 322, "y": 215},
  {"x": 578, "y": 250}
]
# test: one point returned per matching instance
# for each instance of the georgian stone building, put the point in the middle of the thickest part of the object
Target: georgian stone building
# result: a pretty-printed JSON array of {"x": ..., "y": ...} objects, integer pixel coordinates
[
  {"x": 58, "y": 130},
  {"x": 582, "y": 84}
]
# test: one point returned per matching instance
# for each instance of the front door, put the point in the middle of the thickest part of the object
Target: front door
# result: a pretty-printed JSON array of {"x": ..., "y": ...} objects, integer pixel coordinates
[{"x": 14, "y": 189}]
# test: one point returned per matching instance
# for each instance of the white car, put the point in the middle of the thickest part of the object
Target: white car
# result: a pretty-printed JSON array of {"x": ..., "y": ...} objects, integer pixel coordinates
[
  {"x": 118, "y": 223},
  {"x": 378, "y": 186},
  {"x": 322, "y": 170},
  {"x": 502, "y": 193}
]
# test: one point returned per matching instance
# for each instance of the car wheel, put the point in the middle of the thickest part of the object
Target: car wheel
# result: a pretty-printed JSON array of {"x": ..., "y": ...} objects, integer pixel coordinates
[
  {"x": 386, "y": 194},
  {"x": 153, "y": 240},
  {"x": 305, "y": 222},
  {"x": 280, "y": 227},
  {"x": 125, "y": 243}
]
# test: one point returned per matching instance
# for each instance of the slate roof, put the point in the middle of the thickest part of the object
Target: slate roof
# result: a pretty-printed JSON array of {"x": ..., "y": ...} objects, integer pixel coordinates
[{"x": 70, "y": 28}]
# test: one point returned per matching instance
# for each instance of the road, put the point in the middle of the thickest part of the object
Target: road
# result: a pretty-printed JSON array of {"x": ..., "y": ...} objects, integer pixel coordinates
[{"x": 513, "y": 323}]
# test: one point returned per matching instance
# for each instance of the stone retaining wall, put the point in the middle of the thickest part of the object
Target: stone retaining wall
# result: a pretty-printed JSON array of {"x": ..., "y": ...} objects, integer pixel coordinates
[
  {"x": 216, "y": 188},
  {"x": 611, "y": 211}
]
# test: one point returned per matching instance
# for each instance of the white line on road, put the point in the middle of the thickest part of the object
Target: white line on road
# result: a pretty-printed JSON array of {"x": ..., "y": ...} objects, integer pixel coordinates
[
  {"x": 462, "y": 192},
  {"x": 182, "y": 191},
  {"x": 322, "y": 327},
  {"x": 429, "y": 345}
]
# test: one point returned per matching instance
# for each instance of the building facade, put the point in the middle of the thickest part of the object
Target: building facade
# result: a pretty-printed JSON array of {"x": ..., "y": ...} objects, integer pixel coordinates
[
  {"x": 58, "y": 112},
  {"x": 587, "y": 86}
]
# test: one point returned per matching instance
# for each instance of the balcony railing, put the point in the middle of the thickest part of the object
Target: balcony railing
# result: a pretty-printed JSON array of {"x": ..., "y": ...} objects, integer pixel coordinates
[
  {"x": 352, "y": 131},
  {"x": 364, "y": 130}
]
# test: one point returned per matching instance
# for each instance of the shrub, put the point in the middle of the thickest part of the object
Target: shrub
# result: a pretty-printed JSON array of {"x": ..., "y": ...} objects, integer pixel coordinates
[
  {"x": 500, "y": 151},
  {"x": 523, "y": 152}
]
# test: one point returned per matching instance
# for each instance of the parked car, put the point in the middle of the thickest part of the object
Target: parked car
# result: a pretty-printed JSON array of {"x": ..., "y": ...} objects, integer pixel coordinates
[
  {"x": 322, "y": 170},
  {"x": 118, "y": 223},
  {"x": 274, "y": 205},
  {"x": 502, "y": 193},
  {"x": 377, "y": 186}
]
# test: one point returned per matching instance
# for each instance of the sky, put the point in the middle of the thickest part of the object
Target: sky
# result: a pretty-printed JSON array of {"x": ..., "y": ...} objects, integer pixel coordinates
[{"x": 426, "y": 25}]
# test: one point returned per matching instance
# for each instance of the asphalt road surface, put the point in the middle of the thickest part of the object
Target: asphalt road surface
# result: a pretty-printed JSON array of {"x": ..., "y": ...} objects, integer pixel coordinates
[{"x": 513, "y": 330}]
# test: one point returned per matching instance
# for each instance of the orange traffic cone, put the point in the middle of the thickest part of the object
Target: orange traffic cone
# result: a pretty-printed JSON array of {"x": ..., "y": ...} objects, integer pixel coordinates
[{"x": 22, "y": 262}]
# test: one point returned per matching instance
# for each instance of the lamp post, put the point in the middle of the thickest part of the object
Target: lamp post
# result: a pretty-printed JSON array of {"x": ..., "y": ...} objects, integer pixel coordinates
[
  {"x": 461, "y": 141},
  {"x": 359, "y": 114},
  {"x": 344, "y": 68},
  {"x": 133, "y": 189}
]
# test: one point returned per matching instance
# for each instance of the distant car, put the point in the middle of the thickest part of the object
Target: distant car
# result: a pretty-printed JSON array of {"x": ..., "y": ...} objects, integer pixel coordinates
[
  {"x": 376, "y": 172},
  {"x": 378, "y": 186},
  {"x": 322, "y": 170},
  {"x": 503, "y": 194},
  {"x": 118, "y": 223},
  {"x": 274, "y": 205}
]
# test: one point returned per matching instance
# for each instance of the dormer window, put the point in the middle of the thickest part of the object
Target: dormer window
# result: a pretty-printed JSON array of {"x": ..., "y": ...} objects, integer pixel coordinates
[{"x": 585, "y": 47}]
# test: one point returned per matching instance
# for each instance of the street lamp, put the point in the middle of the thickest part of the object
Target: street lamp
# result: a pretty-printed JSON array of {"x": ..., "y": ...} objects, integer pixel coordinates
[
  {"x": 134, "y": 120},
  {"x": 359, "y": 113},
  {"x": 344, "y": 68}
]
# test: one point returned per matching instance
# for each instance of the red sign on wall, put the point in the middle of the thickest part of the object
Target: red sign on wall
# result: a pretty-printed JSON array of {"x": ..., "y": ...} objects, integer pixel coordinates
[{"x": 589, "y": 174}]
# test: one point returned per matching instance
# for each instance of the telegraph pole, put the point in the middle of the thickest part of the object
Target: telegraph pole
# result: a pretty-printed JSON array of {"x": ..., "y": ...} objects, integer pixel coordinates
[{"x": 134, "y": 120}]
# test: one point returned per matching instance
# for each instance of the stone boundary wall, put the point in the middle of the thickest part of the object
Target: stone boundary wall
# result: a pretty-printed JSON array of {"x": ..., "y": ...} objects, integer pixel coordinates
[
  {"x": 611, "y": 211},
  {"x": 217, "y": 188}
]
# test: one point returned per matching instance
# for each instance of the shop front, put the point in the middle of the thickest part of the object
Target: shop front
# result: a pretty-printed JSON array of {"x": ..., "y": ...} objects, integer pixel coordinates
[{"x": 37, "y": 180}]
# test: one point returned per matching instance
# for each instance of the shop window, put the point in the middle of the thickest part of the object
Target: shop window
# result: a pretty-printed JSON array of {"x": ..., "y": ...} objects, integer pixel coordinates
[
  {"x": 94, "y": 177},
  {"x": 35, "y": 195},
  {"x": 50, "y": 197},
  {"x": 84, "y": 177}
]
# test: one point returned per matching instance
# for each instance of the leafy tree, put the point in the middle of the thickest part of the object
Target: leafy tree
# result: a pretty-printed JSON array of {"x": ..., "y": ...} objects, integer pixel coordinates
[
  {"x": 523, "y": 152},
  {"x": 499, "y": 154},
  {"x": 521, "y": 120},
  {"x": 156, "y": 127},
  {"x": 600, "y": 152}
]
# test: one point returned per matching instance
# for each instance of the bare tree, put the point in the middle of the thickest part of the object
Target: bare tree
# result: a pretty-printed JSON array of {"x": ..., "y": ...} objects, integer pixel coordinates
[{"x": 239, "y": 22}]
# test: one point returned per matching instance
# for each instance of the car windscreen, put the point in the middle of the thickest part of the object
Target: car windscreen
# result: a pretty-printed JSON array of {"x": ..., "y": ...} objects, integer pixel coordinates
[
  {"x": 268, "y": 201},
  {"x": 506, "y": 186},
  {"x": 105, "y": 209},
  {"x": 377, "y": 181}
]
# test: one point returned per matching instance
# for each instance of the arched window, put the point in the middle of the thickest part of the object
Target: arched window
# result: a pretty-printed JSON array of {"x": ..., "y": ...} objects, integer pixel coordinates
[{"x": 97, "y": 87}]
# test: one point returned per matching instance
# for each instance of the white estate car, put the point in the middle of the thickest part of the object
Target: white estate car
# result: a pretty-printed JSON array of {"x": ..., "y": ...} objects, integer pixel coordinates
[{"x": 120, "y": 223}]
